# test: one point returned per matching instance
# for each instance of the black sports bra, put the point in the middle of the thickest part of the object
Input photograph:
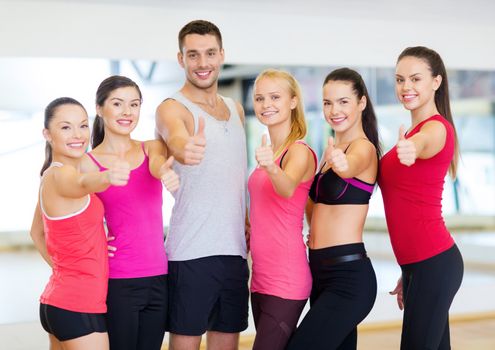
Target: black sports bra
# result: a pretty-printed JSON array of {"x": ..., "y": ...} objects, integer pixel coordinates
[{"x": 329, "y": 188}]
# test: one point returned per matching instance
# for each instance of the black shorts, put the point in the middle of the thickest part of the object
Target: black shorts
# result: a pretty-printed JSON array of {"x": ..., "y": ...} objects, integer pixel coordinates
[
  {"x": 67, "y": 325},
  {"x": 208, "y": 294}
]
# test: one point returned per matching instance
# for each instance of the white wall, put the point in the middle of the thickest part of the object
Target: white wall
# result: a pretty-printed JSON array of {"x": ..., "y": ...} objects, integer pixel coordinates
[{"x": 311, "y": 32}]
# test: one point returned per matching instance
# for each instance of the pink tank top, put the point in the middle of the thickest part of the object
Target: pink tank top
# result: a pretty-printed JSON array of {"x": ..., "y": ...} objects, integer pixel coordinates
[
  {"x": 280, "y": 264},
  {"x": 133, "y": 214},
  {"x": 77, "y": 246}
]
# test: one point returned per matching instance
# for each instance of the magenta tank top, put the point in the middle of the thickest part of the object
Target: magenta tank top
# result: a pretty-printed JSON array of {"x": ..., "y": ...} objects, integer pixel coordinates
[
  {"x": 280, "y": 264},
  {"x": 133, "y": 215}
]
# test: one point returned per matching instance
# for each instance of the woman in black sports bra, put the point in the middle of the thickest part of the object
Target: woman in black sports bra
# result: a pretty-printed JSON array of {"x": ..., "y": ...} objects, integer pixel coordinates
[{"x": 344, "y": 282}]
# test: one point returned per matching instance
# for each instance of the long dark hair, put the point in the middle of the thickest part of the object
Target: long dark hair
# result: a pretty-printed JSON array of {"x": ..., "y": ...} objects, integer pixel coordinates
[
  {"x": 106, "y": 87},
  {"x": 368, "y": 116},
  {"x": 50, "y": 111},
  {"x": 442, "y": 100}
]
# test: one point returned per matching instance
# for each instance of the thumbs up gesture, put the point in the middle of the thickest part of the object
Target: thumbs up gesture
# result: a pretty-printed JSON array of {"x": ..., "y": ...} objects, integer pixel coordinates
[
  {"x": 118, "y": 173},
  {"x": 264, "y": 155},
  {"x": 406, "y": 150},
  {"x": 335, "y": 156},
  {"x": 194, "y": 149},
  {"x": 169, "y": 177}
]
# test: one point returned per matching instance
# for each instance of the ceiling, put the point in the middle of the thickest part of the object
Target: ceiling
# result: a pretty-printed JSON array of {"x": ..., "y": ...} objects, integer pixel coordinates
[
  {"x": 311, "y": 32},
  {"x": 476, "y": 11}
]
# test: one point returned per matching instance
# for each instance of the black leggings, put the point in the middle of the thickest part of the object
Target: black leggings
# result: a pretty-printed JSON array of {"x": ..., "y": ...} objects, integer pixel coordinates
[
  {"x": 275, "y": 320},
  {"x": 137, "y": 312},
  {"x": 342, "y": 296},
  {"x": 429, "y": 287}
]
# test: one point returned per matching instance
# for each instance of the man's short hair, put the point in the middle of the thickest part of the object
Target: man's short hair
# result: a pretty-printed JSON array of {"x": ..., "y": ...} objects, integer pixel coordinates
[{"x": 200, "y": 27}]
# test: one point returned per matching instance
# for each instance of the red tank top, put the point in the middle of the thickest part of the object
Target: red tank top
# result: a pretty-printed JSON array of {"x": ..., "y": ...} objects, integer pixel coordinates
[
  {"x": 77, "y": 246},
  {"x": 412, "y": 197}
]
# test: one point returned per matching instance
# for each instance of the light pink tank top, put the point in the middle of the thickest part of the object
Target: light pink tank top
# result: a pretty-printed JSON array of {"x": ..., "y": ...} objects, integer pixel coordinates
[
  {"x": 77, "y": 246},
  {"x": 133, "y": 214},
  {"x": 280, "y": 264}
]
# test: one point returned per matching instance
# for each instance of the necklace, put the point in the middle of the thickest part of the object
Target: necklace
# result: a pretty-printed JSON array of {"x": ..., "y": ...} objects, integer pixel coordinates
[{"x": 225, "y": 128}]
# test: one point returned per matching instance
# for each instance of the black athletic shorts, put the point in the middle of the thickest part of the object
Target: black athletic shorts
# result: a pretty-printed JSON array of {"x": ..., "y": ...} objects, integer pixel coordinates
[
  {"x": 208, "y": 294},
  {"x": 67, "y": 325}
]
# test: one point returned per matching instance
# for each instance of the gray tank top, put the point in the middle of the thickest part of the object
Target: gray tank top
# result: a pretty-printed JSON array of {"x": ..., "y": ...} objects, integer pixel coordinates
[{"x": 208, "y": 217}]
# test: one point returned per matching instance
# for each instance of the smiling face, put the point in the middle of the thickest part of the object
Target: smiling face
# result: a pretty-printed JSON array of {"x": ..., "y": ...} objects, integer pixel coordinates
[
  {"x": 414, "y": 84},
  {"x": 273, "y": 103},
  {"x": 201, "y": 57},
  {"x": 341, "y": 106},
  {"x": 120, "y": 111},
  {"x": 68, "y": 132}
]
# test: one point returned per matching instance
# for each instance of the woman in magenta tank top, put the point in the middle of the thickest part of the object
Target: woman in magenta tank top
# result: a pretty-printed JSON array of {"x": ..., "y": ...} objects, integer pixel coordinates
[
  {"x": 278, "y": 188},
  {"x": 412, "y": 177},
  {"x": 137, "y": 288},
  {"x": 68, "y": 231}
]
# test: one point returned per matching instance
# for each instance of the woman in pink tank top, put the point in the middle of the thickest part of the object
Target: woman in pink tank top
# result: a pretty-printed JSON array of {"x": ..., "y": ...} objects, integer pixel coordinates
[
  {"x": 137, "y": 288},
  {"x": 68, "y": 231},
  {"x": 278, "y": 188}
]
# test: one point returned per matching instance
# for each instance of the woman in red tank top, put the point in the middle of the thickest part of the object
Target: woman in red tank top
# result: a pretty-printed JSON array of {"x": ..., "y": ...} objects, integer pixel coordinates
[
  {"x": 68, "y": 231},
  {"x": 412, "y": 177}
]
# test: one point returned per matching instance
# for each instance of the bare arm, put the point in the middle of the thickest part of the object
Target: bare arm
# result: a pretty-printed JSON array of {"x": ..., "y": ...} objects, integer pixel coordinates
[
  {"x": 423, "y": 145},
  {"x": 171, "y": 125},
  {"x": 242, "y": 118},
  {"x": 38, "y": 235},
  {"x": 359, "y": 157},
  {"x": 160, "y": 167},
  {"x": 432, "y": 137},
  {"x": 71, "y": 183},
  {"x": 296, "y": 165},
  {"x": 240, "y": 111},
  {"x": 157, "y": 154}
]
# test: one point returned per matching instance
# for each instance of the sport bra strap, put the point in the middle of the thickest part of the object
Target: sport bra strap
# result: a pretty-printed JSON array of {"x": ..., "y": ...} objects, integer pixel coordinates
[
  {"x": 282, "y": 158},
  {"x": 92, "y": 157},
  {"x": 349, "y": 145},
  {"x": 302, "y": 143},
  {"x": 142, "y": 147},
  {"x": 321, "y": 167}
]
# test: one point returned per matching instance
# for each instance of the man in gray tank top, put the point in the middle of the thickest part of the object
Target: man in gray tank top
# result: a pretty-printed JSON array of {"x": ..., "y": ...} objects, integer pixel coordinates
[{"x": 206, "y": 243}]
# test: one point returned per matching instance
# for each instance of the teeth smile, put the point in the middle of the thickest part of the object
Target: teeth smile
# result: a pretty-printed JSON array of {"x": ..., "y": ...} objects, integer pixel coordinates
[
  {"x": 76, "y": 145},
  {"x": 268, "y": 114}
]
